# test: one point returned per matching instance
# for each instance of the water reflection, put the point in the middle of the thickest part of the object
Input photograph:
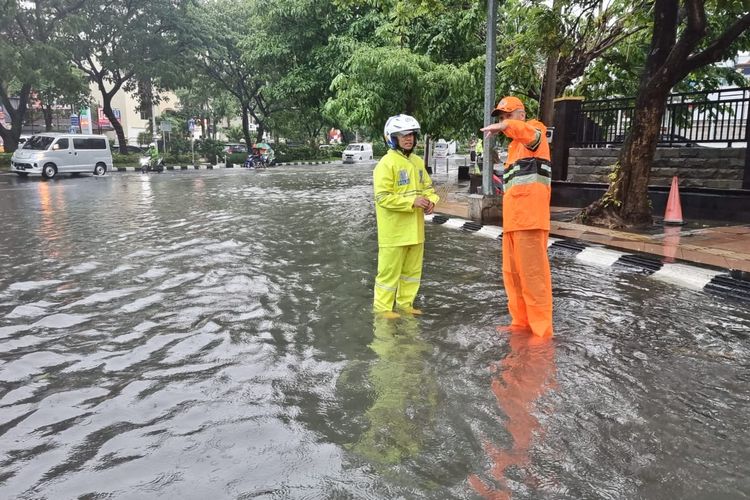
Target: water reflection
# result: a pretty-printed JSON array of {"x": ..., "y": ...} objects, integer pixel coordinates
[
  {"x": 519, "y": 380},
  {"x": 405, "y": 393},
  {"x": 671, "y": 242}
]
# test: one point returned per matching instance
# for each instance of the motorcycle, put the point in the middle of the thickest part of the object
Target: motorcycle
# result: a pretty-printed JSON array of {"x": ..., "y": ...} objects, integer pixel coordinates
[
  {"x": 255, "y": 161},
  {"x": 149, "y": 165}
]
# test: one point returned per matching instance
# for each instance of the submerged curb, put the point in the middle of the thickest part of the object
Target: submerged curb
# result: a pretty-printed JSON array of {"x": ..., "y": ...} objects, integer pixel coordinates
[
  {"x": 206, "y": 166},
  {"x": 724, "y": 282}
]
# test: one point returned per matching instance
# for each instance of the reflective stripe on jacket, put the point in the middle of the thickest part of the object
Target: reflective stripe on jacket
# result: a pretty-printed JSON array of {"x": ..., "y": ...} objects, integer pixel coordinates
[
  {"x": 527, "y": 177},
  {"x": 397, "y": 181}
]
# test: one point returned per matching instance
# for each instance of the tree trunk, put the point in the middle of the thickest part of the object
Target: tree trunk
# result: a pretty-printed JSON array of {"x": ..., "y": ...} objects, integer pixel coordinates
[
  {"x": 107, "y": 106},
  {"x": 10, "y": 136},
  {"x": 626, "y": 202},
  {"x": 246, "y": 125},
  {"x": 47, "y": 111},
  {"x": 549, "y": 89}
]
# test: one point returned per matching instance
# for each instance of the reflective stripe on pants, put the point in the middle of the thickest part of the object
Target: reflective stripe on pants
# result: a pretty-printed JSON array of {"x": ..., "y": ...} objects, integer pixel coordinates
[
  {"x": 399, "y": 275},
  {"x": 527, "y": 280}
]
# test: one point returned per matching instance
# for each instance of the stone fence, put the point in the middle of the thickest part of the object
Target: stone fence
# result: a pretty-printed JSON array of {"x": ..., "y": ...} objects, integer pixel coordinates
[{"x": 718, "y": 168}]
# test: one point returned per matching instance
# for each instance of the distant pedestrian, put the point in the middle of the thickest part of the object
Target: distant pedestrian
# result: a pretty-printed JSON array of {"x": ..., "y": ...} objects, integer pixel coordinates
[
  {"x": 403, "y": 194},
  {"x": 526, "y": 217}
]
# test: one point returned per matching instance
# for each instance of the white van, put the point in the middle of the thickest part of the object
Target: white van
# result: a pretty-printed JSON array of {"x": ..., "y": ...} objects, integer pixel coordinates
[
  {"x": 357, "y": 151},
  {"x": 444, "y": 148},
  {"x": 50, "y": 154}
]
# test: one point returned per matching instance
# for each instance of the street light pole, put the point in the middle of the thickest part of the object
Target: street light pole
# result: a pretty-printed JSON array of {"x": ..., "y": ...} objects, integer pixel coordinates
[{"x": 489, "y": 95}]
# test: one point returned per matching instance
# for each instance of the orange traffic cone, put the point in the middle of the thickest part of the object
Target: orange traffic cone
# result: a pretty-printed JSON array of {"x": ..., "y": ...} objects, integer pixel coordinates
[{"x": 673, "y": 214}]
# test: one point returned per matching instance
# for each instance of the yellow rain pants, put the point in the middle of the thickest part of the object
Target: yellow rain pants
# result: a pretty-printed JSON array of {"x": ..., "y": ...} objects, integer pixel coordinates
[
  {"x": 527, "y": 280},
  {"x": 399, "y": 274}
]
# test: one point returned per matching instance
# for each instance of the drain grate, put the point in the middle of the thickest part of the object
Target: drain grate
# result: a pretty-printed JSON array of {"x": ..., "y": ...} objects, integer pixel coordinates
[
  {"x": 645, "y": 263},
  {"x": 471, "y": 226},
  {"x": 439, "y": 219},
  {"x": 569, "y": 245},
  {"x": 726, "y": 284}
]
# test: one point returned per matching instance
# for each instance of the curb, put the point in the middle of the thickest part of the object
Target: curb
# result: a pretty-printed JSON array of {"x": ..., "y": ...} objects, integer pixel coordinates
[
  {"x": 213, "y": 167},
  {"x": 725, "y": 282}
]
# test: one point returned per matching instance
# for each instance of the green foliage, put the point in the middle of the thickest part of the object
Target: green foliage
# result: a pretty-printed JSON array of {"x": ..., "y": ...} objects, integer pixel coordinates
[
  {"x": 285, "y": 153},
  {"x": 236, "y": 158},
  {"x": 379, "y": 148},
  {"x": 209, "y": 148},
  {"x": 178, "y": 144},
  {"x": 234, "y": 134},
  {"x": 125, "y": 160},
  {"x": 5, "y": 161},
  {"x": 144, "y": 138}
]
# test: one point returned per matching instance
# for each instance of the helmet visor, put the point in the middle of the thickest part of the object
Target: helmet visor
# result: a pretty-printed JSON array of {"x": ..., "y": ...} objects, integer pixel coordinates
[{"x": 404, "y": 133}]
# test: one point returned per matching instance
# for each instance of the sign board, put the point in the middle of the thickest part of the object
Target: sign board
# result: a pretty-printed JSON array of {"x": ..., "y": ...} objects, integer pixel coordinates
[
  {"x": 103, "y": 120},
  {"x": 165, "y": 127},
  {"x": 191, "y": 125},
  {"x": 86, "y": 121}
]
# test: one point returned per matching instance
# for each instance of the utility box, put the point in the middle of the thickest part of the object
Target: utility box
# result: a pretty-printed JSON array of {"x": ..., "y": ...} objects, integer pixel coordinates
[{"x": 463, "y": 173}]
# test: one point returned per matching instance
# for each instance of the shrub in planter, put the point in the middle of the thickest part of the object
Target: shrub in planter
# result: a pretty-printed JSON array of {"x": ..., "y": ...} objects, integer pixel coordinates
[
  {"x": 5, "y": 161},
  {"x": 236, "y": 158}
]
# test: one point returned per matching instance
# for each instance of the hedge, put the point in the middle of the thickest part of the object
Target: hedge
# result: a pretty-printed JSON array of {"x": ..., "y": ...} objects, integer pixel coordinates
[{"x": 5, "y": 161}]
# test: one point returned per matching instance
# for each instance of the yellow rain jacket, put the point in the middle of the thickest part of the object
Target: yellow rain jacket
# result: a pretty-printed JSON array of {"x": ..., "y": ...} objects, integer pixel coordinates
[{"x": 398, "y": 181}]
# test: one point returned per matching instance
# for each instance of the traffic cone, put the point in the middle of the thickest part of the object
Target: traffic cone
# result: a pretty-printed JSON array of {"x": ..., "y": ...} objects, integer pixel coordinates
[{"x": 673, "y": 214}]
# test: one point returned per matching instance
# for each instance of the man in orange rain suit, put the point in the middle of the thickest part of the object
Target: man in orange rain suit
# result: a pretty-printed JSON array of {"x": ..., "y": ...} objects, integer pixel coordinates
[{"x": 526, "y": 199}]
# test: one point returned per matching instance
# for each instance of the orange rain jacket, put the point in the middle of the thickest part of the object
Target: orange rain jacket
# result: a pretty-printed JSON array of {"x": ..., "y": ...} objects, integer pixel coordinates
[{"x": 527, "y": 177}]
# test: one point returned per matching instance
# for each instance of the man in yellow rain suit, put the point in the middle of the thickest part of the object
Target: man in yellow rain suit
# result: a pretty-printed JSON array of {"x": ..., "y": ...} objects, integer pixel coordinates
[
  {"x": 403, "y": 194},
  {"x": 526, "y": 199}
]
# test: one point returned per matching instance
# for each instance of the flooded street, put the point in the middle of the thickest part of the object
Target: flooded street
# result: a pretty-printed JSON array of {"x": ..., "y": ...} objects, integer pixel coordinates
[{"x": 208, "y": 334}]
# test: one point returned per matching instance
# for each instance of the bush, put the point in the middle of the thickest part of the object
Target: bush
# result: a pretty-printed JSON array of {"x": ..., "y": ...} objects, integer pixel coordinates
[
  {"x": 379, "y": 148},
  {"x": 237, "y": 158},
  {"x": 209, "y": 148},
  {"x": 128, "y": 160},
  {"x": 5, "y": 161},
  {"x": 285, "y": 153},
  {"x": 178, "y": 145},
  {"x": 179, "y": 159}
]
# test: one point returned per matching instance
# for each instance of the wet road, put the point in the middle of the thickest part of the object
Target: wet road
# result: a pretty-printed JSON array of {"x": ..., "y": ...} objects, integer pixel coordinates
[{"x": 208, "y": 335}]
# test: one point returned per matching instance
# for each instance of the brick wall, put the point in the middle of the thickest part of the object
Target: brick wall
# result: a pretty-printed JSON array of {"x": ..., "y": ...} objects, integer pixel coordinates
[{"x": 720, "y": 168}]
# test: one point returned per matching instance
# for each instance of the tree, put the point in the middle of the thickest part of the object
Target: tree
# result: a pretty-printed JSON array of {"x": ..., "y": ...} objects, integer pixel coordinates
[
  {"x": 219, "y": 28},
  {"x": 682, "y": 41},
  {"x": 120, "y": 43},
  {"x": 69, "y": 89},
  {"x": 573, "y": 34},
  {"x": 30, "y": 56}
]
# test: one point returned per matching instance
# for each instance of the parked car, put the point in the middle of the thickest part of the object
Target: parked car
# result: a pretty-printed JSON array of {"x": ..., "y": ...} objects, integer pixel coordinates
[
  {"x": 357, "y": 151},
  {"x": 49, "y": 154},
  {"x": 232, "y": 148}
]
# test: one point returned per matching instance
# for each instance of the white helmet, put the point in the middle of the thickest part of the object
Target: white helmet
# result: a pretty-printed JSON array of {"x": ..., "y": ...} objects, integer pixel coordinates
[{"x": 399, "y": 124}]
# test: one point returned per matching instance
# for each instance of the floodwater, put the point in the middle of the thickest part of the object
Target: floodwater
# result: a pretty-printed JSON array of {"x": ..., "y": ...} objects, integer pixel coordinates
[{"x": 208, "y": 335}]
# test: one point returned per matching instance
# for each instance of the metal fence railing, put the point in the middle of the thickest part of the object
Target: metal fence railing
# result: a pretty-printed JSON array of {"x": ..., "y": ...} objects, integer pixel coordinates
[{"x": 716, "y": 118}]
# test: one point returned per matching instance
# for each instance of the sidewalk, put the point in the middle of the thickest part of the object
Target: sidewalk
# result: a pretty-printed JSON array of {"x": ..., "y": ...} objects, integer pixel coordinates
[{"x": 707, "y": 243}]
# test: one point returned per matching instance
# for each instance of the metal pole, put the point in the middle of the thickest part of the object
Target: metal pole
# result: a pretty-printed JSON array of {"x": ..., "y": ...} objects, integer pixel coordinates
[{"x": 489, "y": 94}]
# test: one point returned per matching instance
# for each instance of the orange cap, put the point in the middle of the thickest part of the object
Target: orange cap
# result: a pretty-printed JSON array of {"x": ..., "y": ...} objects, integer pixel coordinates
[{"x": 507, "y": 105}]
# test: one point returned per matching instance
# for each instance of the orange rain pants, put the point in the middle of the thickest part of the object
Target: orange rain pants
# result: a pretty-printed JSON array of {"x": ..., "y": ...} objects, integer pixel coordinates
[{"x": 527, "y": 280}]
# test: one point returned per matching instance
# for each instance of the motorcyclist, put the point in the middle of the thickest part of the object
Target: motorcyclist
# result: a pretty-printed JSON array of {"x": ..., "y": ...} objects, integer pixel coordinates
[{"x": 153, "y": 155}]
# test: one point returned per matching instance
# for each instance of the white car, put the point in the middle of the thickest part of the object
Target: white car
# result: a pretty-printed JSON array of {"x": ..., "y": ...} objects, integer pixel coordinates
[
  {"x": 357, "y": 151},
  {"x": 49, "y": 154}
]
